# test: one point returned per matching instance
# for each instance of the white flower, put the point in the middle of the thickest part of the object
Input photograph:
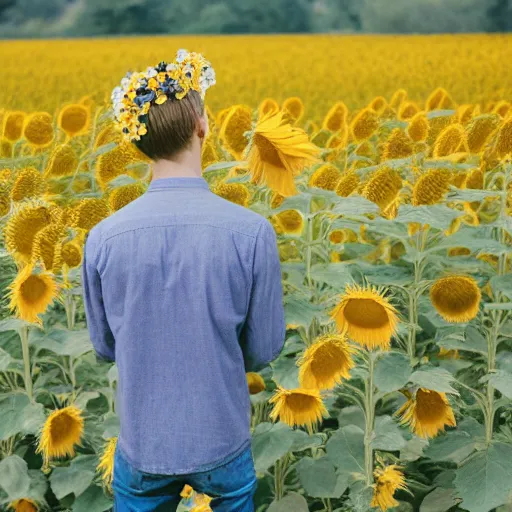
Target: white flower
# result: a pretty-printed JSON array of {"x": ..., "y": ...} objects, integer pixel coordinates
[
  {"x": 151, "y": 72},
  {"x": 171, "y": 67},
  {"x": 181, "y": 55}
]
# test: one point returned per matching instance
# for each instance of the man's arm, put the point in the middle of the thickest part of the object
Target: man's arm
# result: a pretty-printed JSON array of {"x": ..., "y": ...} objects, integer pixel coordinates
[
  {"x": 263, "y": 334},
  {"x": 99, "y": 329}
]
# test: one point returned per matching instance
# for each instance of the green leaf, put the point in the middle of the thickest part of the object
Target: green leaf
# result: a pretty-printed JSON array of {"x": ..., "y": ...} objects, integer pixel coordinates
[
  {"x": 351, "y": 415},
  {"x": 319, "y": 478},
  {"x": 292, "y": 501},
  {"x": 285, "y": 372},
  {"x": 501, "y": 306},
  {"x": 92, "y": 500},
  {"x": 104, "y": 149},
  {"x": 302, "y": 440},
  {"x": 435, "y": 379},
  {"x": 355, "y": 205},
  {"x": 392, "y": 371},
  {"x": 501, "y": 380},
  {"x": 345, "y": 449},
  {"x": 14, "y": 478},
  {"x": 469, "y": 195},
  {"x": 5, "y": 360},
  {"x": 388, "y": 435},
  {"x": 19, "y": 415},
  {"x": 111, "y": 426},
  {"x": 299, "y": 311},
  {"x": 382, "y": 274},
  {"x": 471, "y": 341},
  {"x": 439, "y": 500},
  {"x": 84, "y": 397},
  {"x": 336, "y": 275},
  {"x": 61, "y": 341},
  {"x": 67, "y": 480},
  {"x": 413, "y": 449},
  {"x": 12, "y": 324},
  {"x": 437, "y": 216},
  {"x": 485, "y": 481},
  {"x": 269, "y": 443}
]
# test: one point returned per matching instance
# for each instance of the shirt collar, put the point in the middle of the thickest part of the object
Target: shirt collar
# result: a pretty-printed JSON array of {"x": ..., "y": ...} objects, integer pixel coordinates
[{"x": 178, "y": 182}]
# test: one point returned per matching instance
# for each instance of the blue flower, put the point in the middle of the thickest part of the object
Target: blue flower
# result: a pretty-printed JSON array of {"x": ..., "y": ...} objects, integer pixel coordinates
[{"x": 144, "y": 98}]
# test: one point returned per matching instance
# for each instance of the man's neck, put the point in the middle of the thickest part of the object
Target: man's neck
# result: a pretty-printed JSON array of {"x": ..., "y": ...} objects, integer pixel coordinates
[{"x": 187, "y": 166}]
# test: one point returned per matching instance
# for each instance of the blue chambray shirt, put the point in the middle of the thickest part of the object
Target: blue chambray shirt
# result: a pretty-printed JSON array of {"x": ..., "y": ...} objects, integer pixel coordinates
[{"x": 182, "y": 289}]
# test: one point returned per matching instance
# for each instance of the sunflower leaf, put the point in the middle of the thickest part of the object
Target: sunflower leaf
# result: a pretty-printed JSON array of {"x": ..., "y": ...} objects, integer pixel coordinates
[
  {"x": 392, "y": 371},
  {"x": 485, "y": 481},
  {"x": 269, "y": 443},
  {"x": 345, "y": 449},
  {"x": 434, "y": 379},
  {"x": 439, "y": 500},
  {"x": 14, "y": 478},
  {"x": 501, "y": 380},
  {"x": 319, "y": 478},
  {"x": 67, "y": 480},
  {"x": 19, "y": 415},
  {"x": 92, "y": 500},
  {"x": 388, "y": 435},
  {"x": 354, "y": 205},
  {"x": 292, "y": 501},
  {"x": 438, "y": 216}
]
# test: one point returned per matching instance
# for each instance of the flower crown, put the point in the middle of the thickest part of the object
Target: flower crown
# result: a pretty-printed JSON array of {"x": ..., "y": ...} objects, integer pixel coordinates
[{"x": 139, "y": 90}]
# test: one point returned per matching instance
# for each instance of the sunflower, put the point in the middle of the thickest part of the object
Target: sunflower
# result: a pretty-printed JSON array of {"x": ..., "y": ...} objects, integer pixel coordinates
[
  {"x": 326, "y": 362},
  {"x": 63, "y": 162},
  {"x": 106, "y": 463},
  {"x": 89, "y": 211},
  {"x": 336, "y": 118},
  {"x": 480, "y": 130},
  {"x": 5, "y": 203},
  {"x": 290, "y": 222},
  {"x": 399, "y": 96},
  {"x": 456, "y": 298},
  {"x": 364, "y": 124},
  {"x": 431, "y": 187},
  {"x": 458, "y": 251},
  {"x": 276, "y": 200},
  {"x": 503, "y": 144},
  {"x": 325, "y": 177},
  {"x": 427, "y": 412},
  {"x": 13, "y": 125},
  {"x": 62, "y": 430},
  {"x": 267, "y": 106},
  {"x": 235, "y": 125},
  {"x": 293, "y": 109},
  {"x": 28, "y": 183},
  {"x": 338, "y": 140},
  {"x": 38, "y": 129},
  {"x": 5, "y": 148},
  {"x": 109, "y": 133},
  {"x": 407, "y": 110},
  {"x": 237, "y": 193},
  {"x": 297, "y": 406},
  {"x": 339, "y": 236},
  {"x": 437, "y": 125},
  {"x": 74, "y": 119},
  {"x": 388, "y": 480},
  {"x": 24, "y": 505},
  {"x": 383, "y": 187},
  {"x": 439, "y": 99},
  {"x": 418, "y": 127},
  {"x": 399, "y": 145},
  {"x": 31, "y": 293},
  {"x": 209, "y": 154},
  {"x": 47, "y": 246},
  {"x": 378, "y": 104},
  {"x": 278, "y": 152},
  {"x": 72, "y": 254},
  {"x": 450, "y": 140},
  {"x": 366, "y": 316},
  {"x": 123, "y": 195},
  {"x": 255, "y": 382},
  {"x": 348, "y": 183}
]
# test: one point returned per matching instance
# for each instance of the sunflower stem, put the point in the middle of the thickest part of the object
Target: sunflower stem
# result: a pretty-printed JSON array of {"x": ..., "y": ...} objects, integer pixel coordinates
[
  {"x": 309, "y": 240},
  {"x": 370, "y": 417},
  {"x": 26, "y": 360}
]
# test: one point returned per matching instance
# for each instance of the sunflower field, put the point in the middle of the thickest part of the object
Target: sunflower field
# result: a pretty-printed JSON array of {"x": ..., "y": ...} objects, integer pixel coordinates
[{"x": 394, "y": 222}]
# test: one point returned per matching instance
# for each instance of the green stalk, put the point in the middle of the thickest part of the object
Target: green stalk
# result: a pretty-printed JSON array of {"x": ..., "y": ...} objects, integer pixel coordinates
[
  {"x": 370, "y": 420},
  {"x": 309, "y": 241},
  {"x": 70, "y": 307},
  {"x": 23, "y": 332}
]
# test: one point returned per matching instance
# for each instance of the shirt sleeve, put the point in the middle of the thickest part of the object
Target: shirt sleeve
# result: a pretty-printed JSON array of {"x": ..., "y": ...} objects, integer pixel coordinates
[
  {"x": 97, "y": 324},
  {"x": 263, "y": 334}
]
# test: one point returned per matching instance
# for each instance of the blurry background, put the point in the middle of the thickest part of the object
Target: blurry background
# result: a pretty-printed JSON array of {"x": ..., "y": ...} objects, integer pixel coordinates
[{"x": 57, "y": 18}]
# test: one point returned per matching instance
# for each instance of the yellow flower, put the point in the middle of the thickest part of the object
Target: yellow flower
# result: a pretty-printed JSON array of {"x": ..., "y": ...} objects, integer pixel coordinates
[
  {"x": 209, "y": 154},
  {"x": 47, "y": 246},
  {"x": 277, "y": 200},
  {"x": 278, "y": 152},
  {"x": 364, "y": 124},
  {"x": 466, "y": 112},
  {"x": 221, "y": 115},
  {"x": 437, "y": 125},
  {"x": 439, "y": 99},
  {"x": 89, "y": 211},
  {"x": 503, "y": 145},
  {"x": 293, "y": 109},
  {"x": 456, "y": 298},
  {"x": 72, "y": 254},
  {"x": 399, "y": 145},
  {"x": 106, "y": 463},
  {"x": 378, "y": 104},
  {"x": 407, "y": 110},
  {"x": 450, "y": 140},
  {"x": 237, "y": 122},
  {"x": 255, "y": 382},
  {"x": 29, "y": 183},
  {"x": 5, "y": 148},
  {"x": 299, "y": 406},
  {"x": 336, "y": 118},
  {"x": 325, "y": 177},
  {"x": 24, "y": 505},
  {"x": 338, "y": 140},
  {"x": 235, "y": 192},
  {"x": 38, "y": 129},
  {"x": 448, "y": 354},
  {"x": 5, "y": 203},
  {"x": 13, "y": 125},
  {"x": 475, "y": 180},
  {"x": 267, "y": 106},
  {"x": 339, "y": 236},
  {"x": 418, "y": 127},
  {"x": 347, "y": 184},
  {"x": 383, "y": 187},
  {"x": 366, "y": 316},
  {"x": 31, "y": 293},
  {"x": 459, "y": 251},
  {"x": 388, "y": 480},
  {"x": 427, "y": 413},
  {"x": 480, "y": 130},
  {"x": 326, "y": 362},
  {"x": 502, "y": 108},
  {"x": 62, "y": 430},
  {"x": 398, "y": 98},
  {"x": 109, "y": 133},
  {"x": 289, "y": 221},
  {"x": 74, "y": 119},
  {"x": 123, "y": 195},
  {"x": 431, "y": 187},
  {"x": 63, "y": 162}
]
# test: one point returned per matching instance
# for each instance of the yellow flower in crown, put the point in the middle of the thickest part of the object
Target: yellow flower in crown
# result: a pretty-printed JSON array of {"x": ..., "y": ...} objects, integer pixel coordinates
[{"x": 139, "y": 90}]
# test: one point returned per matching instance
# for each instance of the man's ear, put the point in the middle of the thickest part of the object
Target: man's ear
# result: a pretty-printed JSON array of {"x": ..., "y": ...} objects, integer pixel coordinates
[{"x": 202, "y": 127}]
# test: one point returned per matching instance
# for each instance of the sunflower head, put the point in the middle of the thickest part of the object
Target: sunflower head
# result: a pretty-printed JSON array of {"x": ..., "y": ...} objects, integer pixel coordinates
[
  {"x": 293, "y": 109},
  {"x": 106, "y": 463},
  {"x": 383, "y": 187},
  {"x": 209, "y": 154},
  {"x": 38, "y": 129},
  {"x": 426, "y": 412},
  {"x": 336, "y": 118},
  {"x": 364, "y": 124},
  {"x": 28, "y": 183},
  {"x": 451, "y": 140},
  {"x": 456, "y": 298},
  {"x": 89, "y": 211},
  {"x": 255, "y": 382},
  {"x": 326, "y": 362},
  {"x": 125, "y": 194},
  {"x": 290, "y": 222},
  {"x": 24, "y": 505},
  {"x": 388, "y": 480},
  {"x": 47, "y": 246},
  {"x": 418, "y": 127},
  {"x": 431, "y": 187},
  {"x": 348, "y": 183},
  {"x": 439, "y": 99},
  {"x": 109, "y": 133},
  {"x": 74, "y": 119},
  {"x": 399, "y": 96},
  {"x": 13, "y": 125},
  {"x": 300, "y": 406},
  {"x": 237, "y": 193},
  {"x": 63, "y": 162},
  {"x": 235, "y": 125},
  {"x": 325, "y": 177},
  {"x": 268, "y": 106},
  {"x": 61, "y": 432},
  {"x": 399, "y": 145},
  {"x": 480, "y": 129},
  {"x": 72, "y": 253},
  {"x": 366, "y": 316},
  {"x": 503, "y": 144},
  {"x": 407, "y": 110}
]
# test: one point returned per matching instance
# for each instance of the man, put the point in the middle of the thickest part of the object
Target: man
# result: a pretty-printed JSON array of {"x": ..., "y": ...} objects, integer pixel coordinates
[{"x": 182, "y": 289}]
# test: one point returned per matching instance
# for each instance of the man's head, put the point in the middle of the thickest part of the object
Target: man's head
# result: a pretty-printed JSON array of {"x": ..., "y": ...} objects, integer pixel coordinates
[{"x": 174, "y": 126}]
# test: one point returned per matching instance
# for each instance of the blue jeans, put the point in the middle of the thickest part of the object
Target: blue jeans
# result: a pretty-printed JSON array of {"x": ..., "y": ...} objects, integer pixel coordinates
[{"x": 231, "y": 484}]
